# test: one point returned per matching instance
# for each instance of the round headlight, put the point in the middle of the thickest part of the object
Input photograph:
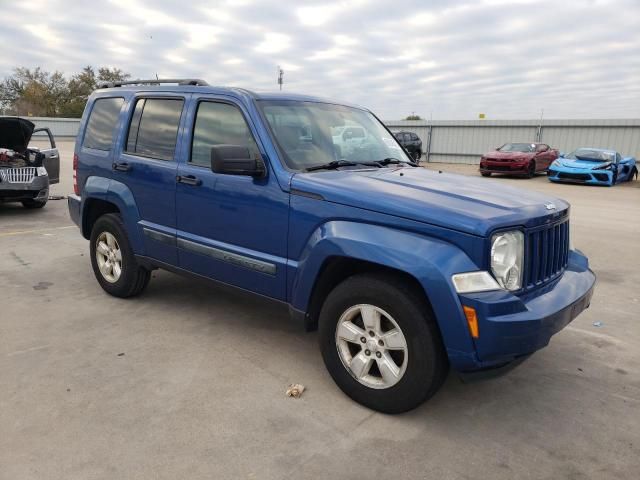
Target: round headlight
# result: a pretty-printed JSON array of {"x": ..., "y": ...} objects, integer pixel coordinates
[{"x": 507, "y": 251}]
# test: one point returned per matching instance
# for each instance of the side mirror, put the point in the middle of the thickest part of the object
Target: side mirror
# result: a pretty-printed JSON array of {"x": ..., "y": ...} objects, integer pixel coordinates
[{"x": 235, "y": 160}]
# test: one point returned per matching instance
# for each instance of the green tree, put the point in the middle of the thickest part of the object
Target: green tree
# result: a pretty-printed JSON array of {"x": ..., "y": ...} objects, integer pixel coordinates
[
  {"x": 39, "y": 93},
  {"x": 34, "y": 92},
  {"x": 413, "y": 117},
  {"x": 82, "y": 84}
]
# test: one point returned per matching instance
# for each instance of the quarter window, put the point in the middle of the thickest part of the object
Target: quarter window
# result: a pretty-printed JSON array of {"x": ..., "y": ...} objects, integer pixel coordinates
[
  {"x": 219, "y": 124},
  {"x": 154, "y": 127},
  {"x": 101, "y": 126}
]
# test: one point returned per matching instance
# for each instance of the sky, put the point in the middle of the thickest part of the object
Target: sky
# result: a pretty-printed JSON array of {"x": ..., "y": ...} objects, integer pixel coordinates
[{"x": 440, "y": 59}]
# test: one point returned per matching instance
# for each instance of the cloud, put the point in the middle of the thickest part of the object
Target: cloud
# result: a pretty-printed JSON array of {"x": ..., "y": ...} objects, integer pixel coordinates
[
  {"x": 273, "y": 43},
  {"x": 446, "y": 58}
]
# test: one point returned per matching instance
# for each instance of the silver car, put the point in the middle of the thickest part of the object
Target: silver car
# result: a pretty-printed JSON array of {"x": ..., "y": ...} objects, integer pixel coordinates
[{"x": 26, "y": 173}]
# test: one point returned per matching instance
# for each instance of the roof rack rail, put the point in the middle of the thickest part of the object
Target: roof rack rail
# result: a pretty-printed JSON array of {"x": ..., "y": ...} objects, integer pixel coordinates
[{"x": 155, "y": 81}]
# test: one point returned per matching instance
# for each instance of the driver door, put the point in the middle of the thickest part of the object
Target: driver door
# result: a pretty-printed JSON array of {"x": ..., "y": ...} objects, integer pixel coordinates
[
  {"x": 231, "y": 228},
  {"x": 544, "y": 157}
]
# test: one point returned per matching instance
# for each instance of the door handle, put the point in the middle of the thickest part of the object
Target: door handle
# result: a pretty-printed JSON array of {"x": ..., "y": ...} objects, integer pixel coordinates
[
  {"x": 189, "y": 180},
  {"x": 121, "y": 167}
]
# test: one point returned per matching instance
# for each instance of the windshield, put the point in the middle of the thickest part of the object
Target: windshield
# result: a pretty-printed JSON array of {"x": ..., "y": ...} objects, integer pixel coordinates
[
  {"x": 518, "y": 147},
  {"x": 311, "y": 134},
  {"x": 592, "y": 155}
]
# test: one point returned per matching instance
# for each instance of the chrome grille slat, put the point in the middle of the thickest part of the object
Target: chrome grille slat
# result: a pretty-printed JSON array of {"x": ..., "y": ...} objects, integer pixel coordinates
[
  {"x": 548, "y": 253},
  {"x": 18, "y": 175}
]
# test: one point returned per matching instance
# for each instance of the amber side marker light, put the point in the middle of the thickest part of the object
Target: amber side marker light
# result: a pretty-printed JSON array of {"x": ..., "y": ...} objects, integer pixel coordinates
[{"x": 472, "y": 320}]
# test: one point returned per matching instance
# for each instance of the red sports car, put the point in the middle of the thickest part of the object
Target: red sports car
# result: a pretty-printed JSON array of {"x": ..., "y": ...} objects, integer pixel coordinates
[{"x": 518, "y": 159}]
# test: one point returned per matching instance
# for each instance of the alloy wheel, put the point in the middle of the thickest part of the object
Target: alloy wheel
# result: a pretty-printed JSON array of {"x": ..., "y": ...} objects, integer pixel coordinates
[
  {"x": 371, "y": 346},
  {"x": 109, "y": 257}
]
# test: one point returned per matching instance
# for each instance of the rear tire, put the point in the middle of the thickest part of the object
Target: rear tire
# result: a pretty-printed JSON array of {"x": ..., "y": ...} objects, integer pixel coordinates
[
  {"x": 531, "y": 171},
  {"x": 416, "y": 373},
  {"x": 113, "y": 261},
  {"x": 33, "y": 204}
]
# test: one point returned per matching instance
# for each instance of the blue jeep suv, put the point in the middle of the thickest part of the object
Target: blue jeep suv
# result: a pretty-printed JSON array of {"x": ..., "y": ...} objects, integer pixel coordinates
[{"x": 404, "y": 271}]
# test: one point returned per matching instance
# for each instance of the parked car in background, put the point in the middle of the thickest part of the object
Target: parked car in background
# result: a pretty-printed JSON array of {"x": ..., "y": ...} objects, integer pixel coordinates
[
  {"x": 593, "y": 166},
  {"x": 26, "y": 172},
  {"x": 348, "y": 139},
  {"x": 411, "y": 142},
  {"x": 404, "y": 271},
  {"x": 518, "y": 159}
]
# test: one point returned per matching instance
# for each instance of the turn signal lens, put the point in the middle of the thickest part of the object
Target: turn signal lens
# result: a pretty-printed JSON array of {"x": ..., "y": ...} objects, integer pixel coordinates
[{"x": 472, "y": 321}]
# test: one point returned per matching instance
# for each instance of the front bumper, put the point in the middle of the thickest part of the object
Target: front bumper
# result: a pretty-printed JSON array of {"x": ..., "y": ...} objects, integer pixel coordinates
[
  {"x": 583, "y": 176},
  {"x": 513, "y": 326},
  {"x": 512, "y": 167},
  {"x": 36, "y": 189}
]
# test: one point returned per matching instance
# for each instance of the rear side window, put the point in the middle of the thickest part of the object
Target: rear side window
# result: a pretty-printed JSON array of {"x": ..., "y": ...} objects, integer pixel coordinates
[
  {"x": 414, "y": 137},
  {"x": 154, "y": 127},
  {"x": 219, "y": 124},
  {"x": 101, "y": 127}
]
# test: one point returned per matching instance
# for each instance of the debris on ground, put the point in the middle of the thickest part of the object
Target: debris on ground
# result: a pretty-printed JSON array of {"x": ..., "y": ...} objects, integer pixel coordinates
[
  {"x": 57, "y": 197},
  {"x": 597, "y": 324},
  {"x": 295, "y": 390}
]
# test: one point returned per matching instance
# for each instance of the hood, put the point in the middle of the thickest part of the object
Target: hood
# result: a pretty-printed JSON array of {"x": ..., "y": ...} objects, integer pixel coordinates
[
  {"x": 582, "y": 164},
  {"x": 458, "y": 202},
  {"x": 509, "y": 155},
  {"x": 15, "y": 133}
]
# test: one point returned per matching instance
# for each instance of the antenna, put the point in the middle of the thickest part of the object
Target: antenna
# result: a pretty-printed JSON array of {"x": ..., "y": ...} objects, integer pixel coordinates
[{"x": 280, "y": 75}]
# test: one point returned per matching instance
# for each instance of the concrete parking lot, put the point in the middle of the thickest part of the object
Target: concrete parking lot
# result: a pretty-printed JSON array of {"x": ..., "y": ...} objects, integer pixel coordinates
[{"x": 188, "y": 380}]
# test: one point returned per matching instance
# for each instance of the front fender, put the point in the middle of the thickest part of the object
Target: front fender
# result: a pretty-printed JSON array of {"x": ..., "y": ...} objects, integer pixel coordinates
[{"x": 430, "y": 261}]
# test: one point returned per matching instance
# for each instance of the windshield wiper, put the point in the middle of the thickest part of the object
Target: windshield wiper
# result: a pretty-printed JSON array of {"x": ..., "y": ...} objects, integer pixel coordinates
[
  {"x": 340, "y": 163},
  {"x": 395, "y": 161}
]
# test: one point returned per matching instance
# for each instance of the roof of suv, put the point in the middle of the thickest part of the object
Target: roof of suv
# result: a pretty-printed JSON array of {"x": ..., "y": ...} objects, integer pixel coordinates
[{"x": 199, "y": 86}]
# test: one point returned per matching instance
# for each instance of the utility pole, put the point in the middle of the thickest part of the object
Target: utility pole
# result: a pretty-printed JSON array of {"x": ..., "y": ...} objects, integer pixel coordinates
[
  {"x": 280, "y": 75},
  {"x": 539, "y": 135}
]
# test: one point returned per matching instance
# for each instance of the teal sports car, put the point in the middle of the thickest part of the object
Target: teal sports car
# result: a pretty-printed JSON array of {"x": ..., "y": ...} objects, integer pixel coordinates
[{"x": 593, "y": 166}]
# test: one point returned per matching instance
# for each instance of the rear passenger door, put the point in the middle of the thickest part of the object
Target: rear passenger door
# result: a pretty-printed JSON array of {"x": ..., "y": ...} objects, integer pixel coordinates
[
  {"x": 146, "y": 165},
  {"x": 232, "y": 228}
]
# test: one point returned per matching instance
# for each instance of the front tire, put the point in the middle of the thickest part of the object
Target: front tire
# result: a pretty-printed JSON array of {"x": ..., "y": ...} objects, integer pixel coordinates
[
  {"x": 33, "y": 204},
  {"x": 485, "y": 174},
  {"x": 113, "y": 261},
  {"x": 401, "y": 362}
]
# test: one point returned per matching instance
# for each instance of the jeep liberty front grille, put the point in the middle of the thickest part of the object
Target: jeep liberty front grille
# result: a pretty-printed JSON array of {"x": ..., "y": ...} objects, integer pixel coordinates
[{"x": 547, "y": 253}]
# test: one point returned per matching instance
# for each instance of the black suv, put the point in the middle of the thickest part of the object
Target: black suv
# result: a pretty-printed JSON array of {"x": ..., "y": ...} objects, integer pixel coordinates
[{"x": 411, "y": 143}]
